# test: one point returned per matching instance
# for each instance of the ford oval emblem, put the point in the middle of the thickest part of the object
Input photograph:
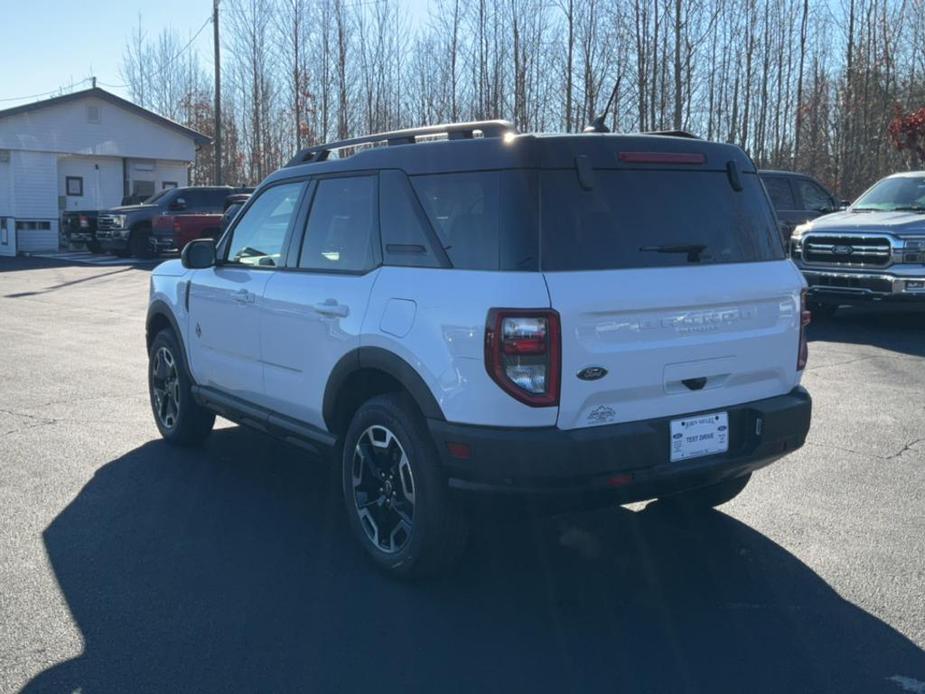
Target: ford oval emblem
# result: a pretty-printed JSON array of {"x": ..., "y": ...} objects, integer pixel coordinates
[{"x": 592, "y": 373}]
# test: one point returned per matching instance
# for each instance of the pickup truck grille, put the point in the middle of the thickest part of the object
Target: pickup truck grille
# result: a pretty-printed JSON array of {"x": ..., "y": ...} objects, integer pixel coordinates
[
  {"x": 847, "y": 251},
  {"x": 106, "y": 221}
]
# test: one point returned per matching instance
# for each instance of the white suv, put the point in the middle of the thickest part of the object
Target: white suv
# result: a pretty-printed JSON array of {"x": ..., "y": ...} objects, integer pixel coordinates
[{"x": 599, "y": 317}]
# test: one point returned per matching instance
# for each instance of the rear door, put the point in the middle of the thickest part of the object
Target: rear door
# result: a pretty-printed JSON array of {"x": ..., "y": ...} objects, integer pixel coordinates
[
  {"x": 312, "y": 312},
  {"x": 674, "y": 286}
]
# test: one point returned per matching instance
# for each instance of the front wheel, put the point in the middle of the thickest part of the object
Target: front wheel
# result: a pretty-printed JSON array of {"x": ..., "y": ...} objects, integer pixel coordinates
[
  {"x": 93, "y": 246},
  {"x": 139, "y": 244},
  {"x": 396, "y": 496},
  {"x": 705, "y": 498},
  {"x": 179, "y": 418}
]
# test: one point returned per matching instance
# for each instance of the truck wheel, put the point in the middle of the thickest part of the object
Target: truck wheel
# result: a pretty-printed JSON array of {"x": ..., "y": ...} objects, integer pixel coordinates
[
  {"x": 179, "y": 418},
  {"x": 705, "y": 498},
  {"x": 139, "y": 244},
  {"x": 398, "y": 504},
  {"x": 93, "y": 246}
]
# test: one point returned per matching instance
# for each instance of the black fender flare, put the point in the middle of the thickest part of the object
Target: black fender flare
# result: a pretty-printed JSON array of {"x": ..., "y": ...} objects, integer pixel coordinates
[
  {"x": 387, "y": 362},
  {"x": 159, "y": 308}
]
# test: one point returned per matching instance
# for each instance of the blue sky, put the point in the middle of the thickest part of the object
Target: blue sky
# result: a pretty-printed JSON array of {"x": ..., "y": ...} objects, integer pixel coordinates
[{"x": 49, "y": 44}]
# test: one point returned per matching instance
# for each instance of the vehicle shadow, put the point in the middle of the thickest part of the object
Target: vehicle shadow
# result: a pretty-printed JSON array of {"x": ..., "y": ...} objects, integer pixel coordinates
[
  {"x": 229, "y": 568},
  {"x": 896, "y": 328}
]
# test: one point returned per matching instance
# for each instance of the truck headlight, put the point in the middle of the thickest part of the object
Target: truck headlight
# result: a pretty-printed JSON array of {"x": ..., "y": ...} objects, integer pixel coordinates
[
  {"x": 914, "y": 244},
  {"x": 799, "y": 230}
]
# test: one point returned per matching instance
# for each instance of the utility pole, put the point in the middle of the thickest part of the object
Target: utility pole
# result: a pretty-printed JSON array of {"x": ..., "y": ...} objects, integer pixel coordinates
[{"x": 218, "y": 96}]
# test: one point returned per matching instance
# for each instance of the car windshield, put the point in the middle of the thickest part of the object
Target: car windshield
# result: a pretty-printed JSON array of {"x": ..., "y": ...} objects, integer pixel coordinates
[
  {"x": 157, "y": 196},
  {"x": 892, "y": 194}
]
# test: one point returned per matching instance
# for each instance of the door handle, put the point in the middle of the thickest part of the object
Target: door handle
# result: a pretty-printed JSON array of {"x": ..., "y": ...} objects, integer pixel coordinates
[
  {"x": 332, "y": 308},
  {"x": 242, "y": 296}
]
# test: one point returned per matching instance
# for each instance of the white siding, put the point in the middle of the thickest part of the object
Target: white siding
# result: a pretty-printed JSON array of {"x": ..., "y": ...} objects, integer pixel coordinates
[
  {"x": 157, "y": 172},
  {"x": 102, "y": 181},
  {"x": 6, "y": 183},
  {"x": 65, "y": 128},
  {"x": 35, "y": 198}
]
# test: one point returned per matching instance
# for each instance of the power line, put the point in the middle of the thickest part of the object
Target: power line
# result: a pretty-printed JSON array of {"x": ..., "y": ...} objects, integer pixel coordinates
[{"x": 53, "y": 91}]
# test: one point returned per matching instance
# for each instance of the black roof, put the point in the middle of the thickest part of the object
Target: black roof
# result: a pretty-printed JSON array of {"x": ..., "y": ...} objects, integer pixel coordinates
[
  {"x": 506, "y": 150},
  {"x": 195, "y": 135}
]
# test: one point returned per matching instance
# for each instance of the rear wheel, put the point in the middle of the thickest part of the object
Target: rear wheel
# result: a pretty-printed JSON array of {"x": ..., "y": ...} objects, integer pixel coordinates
[
  {"x": 179, "y": 418},
  {"x": 704, "y": 498},
  {"x": 398, "y": 504}
]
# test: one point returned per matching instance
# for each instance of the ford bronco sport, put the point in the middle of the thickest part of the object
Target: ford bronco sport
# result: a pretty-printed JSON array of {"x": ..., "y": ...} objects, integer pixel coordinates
[{"x": 584, "y": 316}]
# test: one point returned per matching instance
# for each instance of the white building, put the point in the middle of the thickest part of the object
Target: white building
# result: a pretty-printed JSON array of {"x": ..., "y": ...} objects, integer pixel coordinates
[{"x": 85, "y": 150}]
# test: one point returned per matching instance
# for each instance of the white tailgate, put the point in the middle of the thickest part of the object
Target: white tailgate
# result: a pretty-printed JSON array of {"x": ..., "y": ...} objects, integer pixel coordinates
[{"x": 734, "y": 325}]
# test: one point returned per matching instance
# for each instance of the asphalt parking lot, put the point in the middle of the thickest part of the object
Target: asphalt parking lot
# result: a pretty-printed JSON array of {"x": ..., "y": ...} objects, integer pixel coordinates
[{"x": 126, "y": 565}]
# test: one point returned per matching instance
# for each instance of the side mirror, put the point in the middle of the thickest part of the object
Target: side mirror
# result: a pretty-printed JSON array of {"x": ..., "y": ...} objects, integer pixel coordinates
[
  {"x": 178, "y": 204},
  {"x": 198, "y": 254}
]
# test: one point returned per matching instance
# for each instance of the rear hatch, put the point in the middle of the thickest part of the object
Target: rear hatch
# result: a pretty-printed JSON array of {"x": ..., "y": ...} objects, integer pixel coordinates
[{"x": 671, "y": 284}]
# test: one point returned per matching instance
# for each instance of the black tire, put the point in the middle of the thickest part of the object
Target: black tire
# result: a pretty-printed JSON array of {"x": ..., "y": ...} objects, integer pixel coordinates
[
  {"x": 435, "y": 538},
  {"x": 184, "y": 422},
  {"x": 822, "y": 311},
  {"x": 94, "y": 246},
  {"x": 705, "y": 498},
  {"x": 120, "y": 252},
  {"x": 139, "y": 243}
]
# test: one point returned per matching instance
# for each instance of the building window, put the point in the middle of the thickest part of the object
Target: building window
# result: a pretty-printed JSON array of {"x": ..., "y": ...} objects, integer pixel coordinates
[
  {"x": 168, "y": 185},
  {"x": 33, "y": 226},
  {"x": 74, "y": 186},
  {"x": 93, "y": 114}
]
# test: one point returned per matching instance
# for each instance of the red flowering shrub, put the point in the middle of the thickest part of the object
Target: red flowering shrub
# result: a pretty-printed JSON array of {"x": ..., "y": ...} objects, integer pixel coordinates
[{"x": 907, "y": 131}]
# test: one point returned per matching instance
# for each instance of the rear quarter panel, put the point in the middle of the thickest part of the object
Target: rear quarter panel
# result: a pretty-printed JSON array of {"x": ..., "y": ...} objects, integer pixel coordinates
[{"x": 434, "y": 319}]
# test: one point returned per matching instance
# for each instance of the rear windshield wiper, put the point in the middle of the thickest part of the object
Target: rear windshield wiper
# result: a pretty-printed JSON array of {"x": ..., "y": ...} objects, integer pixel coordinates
[{"x": 693, "y": 250}]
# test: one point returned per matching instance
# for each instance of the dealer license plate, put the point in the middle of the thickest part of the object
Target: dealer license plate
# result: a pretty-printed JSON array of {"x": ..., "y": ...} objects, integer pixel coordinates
[{"x": 694, "y": 437}]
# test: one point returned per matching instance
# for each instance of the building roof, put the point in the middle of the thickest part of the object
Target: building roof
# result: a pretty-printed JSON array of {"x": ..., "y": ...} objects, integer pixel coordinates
[{"x": 195, "y": 135}]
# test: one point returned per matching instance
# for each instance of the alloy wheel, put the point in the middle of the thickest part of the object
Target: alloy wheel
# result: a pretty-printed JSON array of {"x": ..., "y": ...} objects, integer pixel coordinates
[
  {"x": 383, "y": 489},
  {"x": 165, "y": 383}
]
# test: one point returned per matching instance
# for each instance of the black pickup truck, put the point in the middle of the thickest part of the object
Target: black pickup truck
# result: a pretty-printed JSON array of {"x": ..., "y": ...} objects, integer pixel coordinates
[
  {"x": 126, "y": 230},
  {"x": 79, "y": 226}
]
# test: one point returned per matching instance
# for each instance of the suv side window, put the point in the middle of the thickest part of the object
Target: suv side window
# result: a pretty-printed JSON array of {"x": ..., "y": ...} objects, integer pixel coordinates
[
  {"x": 405, "y": 237},
  {"x": 343, "y": 225},
  {"x": 814, "y": 198},
  {"x": 464, "y": 210},
  {"x": 258, "y": 238},
  {"x": 779, "y": 191}
]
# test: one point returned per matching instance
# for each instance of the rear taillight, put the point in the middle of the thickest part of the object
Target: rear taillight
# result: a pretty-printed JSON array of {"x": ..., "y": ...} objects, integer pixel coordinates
[
  {"x": 523, "y": 354},
  {"x": 805, "y": 318},
  {"x": 84, "y": 221}
]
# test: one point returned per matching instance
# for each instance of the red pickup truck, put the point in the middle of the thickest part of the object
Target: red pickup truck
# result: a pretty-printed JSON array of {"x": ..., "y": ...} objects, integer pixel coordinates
[{"x": 173, "y": 231}]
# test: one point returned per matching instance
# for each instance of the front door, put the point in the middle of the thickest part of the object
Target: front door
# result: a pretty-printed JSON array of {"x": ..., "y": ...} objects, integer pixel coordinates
[
  {"x": 313, "y": 312},
  {"x": 224, "y": 301}
]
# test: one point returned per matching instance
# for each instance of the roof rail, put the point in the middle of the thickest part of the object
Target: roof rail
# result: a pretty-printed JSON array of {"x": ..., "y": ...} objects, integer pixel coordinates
[
  {"x": 673, "y": 133},
  {"x": 453, "y": 131}
]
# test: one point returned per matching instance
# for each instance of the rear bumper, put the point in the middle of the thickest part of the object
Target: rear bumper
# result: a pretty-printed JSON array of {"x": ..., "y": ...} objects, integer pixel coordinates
[
  {"x": 858, "y": 287},
  {"x": 629, "y": 461}
]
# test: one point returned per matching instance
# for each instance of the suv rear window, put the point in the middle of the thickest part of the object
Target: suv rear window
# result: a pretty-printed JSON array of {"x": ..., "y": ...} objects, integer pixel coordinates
[{"x": 633, "y": 218}]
